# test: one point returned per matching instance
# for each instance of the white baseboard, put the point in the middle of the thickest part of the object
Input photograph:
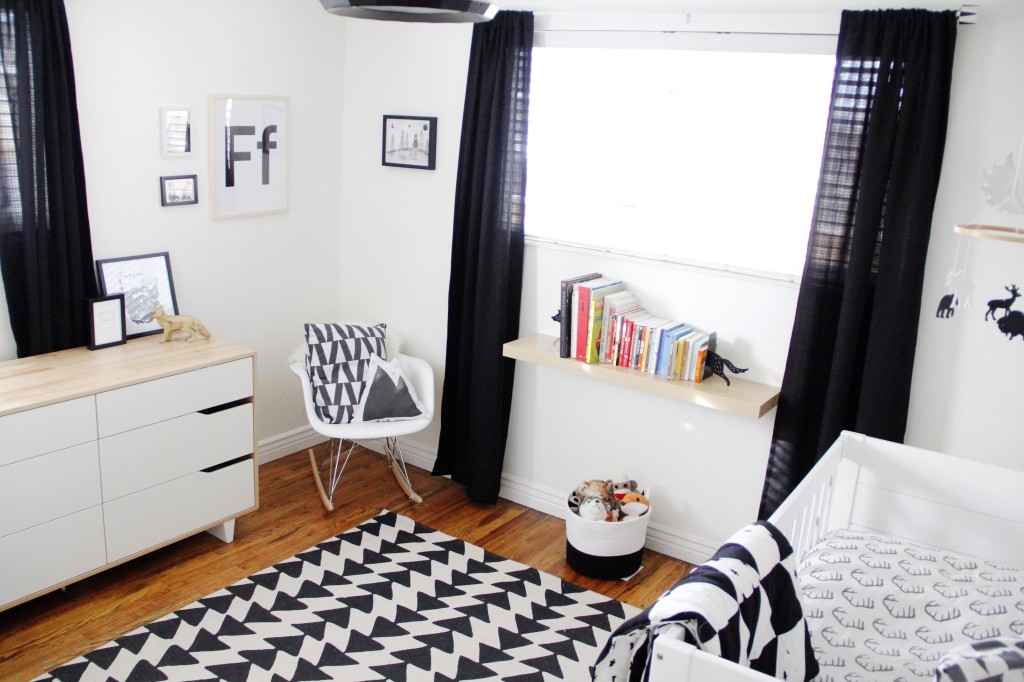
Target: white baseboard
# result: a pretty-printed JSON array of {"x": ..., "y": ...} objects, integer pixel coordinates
[
  {"x": 414, "y": 454},
  {"x": 660, "y": 538},
  {"x": 286, "y": 443}
]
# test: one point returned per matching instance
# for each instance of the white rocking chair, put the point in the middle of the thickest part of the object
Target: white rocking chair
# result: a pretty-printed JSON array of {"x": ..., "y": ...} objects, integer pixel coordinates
[{"x": 419, "y": 374}]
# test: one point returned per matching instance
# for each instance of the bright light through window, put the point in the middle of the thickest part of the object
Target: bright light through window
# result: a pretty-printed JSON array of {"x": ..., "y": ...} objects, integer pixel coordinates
[{"x": 692, "y": 156}]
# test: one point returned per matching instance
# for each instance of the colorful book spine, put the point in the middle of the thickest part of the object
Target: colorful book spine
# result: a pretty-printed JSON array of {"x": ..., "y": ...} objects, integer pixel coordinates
[
  {"x": 620, "y": 318},
  {"x": 625, "y": 353},
  {"x": 595, "y": 318},
  {"x": 669, "y": 337},
  {"x": 583, "y": 313},
  {"x": 583, "y": 318},
  {"x": 566, "y": 311},
  {"x": 594, "y": 331}
]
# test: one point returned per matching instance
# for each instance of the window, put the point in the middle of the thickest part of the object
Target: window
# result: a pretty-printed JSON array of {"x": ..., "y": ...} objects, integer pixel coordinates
[{"x": 701, "y": 157}]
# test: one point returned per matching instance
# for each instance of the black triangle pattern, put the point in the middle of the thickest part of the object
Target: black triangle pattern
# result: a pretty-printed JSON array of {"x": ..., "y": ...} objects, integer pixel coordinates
[{"x": 389, "y": 599}]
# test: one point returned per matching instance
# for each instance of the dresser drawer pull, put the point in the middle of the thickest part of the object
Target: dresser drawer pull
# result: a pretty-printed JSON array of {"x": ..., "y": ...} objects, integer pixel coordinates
[
  {"x": 226, "y": 406},
  {"x": 225, "y": 465}
]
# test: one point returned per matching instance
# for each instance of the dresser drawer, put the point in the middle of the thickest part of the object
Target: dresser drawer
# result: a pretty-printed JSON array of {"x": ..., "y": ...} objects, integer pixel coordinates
[
  {"x": 45, "y": 429},
  {"x": 50, "y": 554},
  {"x": 175, "y": 509},
  {"x": 145, "y": 457},
  {"x": 142, "y": 404},
  {"x": 47, "y": 487}
]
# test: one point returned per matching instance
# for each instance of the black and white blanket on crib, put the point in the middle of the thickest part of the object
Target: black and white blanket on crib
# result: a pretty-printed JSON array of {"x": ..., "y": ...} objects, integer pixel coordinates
[{"x": 741, "y": 605}]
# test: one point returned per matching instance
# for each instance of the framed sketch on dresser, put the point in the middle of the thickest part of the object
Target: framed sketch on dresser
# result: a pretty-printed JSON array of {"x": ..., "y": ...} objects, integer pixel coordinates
[{"x": 146, "y": 283}]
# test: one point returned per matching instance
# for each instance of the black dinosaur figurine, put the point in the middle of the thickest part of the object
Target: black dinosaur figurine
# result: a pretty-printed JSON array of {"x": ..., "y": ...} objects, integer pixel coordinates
[{"x": 717, "y": 364}]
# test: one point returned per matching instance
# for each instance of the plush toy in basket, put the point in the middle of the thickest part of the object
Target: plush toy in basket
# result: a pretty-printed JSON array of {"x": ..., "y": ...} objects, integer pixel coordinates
[
  {"x": 606, "y": 527},
  {"x": 614, "y": 499}
]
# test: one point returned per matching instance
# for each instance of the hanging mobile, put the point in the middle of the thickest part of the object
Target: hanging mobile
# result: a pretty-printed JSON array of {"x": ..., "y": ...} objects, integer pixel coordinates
[
  {"x": 959, "y": 289},
  {"x": 1003, "y": 191}
]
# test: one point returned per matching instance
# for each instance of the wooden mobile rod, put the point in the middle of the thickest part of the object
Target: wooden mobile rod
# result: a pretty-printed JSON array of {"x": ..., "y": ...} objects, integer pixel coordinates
[{"x": 1006, "y": 234}]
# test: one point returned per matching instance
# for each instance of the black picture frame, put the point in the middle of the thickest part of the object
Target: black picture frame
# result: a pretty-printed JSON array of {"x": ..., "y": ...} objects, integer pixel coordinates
[
  {"x": 409, "y": 142},
  {"x": 106, "y": 322},
  {"x": 146, "y": 282},
  {"x": 178, "y": 190}
]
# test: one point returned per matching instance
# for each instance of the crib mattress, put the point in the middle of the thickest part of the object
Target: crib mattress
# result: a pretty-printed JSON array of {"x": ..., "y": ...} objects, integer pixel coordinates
[{"x": 883, "y": 608}]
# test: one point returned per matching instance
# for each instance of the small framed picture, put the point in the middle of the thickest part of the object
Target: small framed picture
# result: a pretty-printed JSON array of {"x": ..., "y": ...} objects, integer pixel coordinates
[
  {"x": 178, "y": 190},
  {"x": 146, "y": 283},
  {"x": 409, "y": 142},
  {"x": 175, "y": 131},
  {"x": 106, "y": 322}
]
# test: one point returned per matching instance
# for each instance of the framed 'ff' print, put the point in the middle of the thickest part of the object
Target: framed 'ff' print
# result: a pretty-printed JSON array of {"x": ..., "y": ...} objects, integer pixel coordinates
[{"x": 248, "y": 155}]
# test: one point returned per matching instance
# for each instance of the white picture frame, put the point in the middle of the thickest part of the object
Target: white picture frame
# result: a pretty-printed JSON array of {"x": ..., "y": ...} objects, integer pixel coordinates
[
  {"x": 176, "y": 131},
  {"x": 248, "y": 155}
]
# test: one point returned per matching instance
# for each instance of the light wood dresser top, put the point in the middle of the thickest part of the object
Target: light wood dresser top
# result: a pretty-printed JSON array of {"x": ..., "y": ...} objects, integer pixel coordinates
[{"x": 41, "y": 380}]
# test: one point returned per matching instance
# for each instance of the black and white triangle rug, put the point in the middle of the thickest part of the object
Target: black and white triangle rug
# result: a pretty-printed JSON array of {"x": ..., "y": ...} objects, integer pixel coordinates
[{"x": 388, "y": 600}]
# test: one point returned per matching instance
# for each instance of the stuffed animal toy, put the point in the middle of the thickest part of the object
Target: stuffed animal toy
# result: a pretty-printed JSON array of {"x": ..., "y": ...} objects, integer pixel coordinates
[
  {"x": 593, "y": 509},
  {"x": 602, "y": 490},
  {"x": 622, "y": 484},
  {"x": 634, "y": 497},
  {"x": 634, "y": 504}
]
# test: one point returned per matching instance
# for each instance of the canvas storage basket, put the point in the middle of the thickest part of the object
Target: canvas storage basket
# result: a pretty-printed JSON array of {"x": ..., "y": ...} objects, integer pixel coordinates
[{"x": 605, "y": 549}]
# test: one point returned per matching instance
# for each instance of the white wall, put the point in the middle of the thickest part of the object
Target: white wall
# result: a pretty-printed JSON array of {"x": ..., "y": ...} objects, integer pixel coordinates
[
  {"x": 395, "y": 255},
  {"x": 966, "y": 391},
  {"x": 251, "y": 280}
]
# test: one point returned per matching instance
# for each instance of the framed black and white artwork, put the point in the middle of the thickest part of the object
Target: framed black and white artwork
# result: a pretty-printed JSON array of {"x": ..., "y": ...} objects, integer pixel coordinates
[
  {"x": 409, "y": 142},
  {"x": 178, "y": 190},
  {"x": 248, "y": 155},
  {"x": 106, "y": 322},
  {"x": 146, "y": 283}
]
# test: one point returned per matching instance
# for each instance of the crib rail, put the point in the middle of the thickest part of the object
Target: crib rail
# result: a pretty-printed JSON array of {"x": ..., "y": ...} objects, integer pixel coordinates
[
  {"x": 822, "y": 500},
  {"x": 673, "y": 660}
]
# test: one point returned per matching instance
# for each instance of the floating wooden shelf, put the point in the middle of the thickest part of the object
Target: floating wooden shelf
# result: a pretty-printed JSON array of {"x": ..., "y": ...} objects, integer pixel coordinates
[{"x": 745, "y": 398}]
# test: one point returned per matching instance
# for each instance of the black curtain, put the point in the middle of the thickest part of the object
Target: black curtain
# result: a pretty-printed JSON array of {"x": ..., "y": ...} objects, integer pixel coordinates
[
  {"x": 487, "y": 256},
  {"x": 852, "y": 349},
  {"x": 45, "y": 246}
]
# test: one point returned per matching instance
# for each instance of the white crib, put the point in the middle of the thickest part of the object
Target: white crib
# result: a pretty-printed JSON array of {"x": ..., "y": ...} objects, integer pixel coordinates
[{"x": 863, "y": 483}]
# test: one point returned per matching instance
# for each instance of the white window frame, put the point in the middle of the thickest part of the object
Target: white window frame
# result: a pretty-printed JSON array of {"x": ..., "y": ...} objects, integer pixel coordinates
[{"x": 766, "y": 33}]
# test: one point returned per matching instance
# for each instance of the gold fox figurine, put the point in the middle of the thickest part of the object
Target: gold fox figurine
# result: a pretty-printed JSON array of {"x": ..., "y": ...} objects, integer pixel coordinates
[{"x": 178, "y": 323}]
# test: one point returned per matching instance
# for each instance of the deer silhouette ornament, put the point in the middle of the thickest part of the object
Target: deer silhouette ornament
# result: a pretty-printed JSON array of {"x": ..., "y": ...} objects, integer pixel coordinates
[{"x": 1003, "y": 303}]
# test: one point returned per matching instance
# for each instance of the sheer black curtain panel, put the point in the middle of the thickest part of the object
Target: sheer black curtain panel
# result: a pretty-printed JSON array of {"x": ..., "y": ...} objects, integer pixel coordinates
[
  {"x": 45, "y": 245},
  {"x": 852, "y": 350},
  {"x": 487, "y": 256}
]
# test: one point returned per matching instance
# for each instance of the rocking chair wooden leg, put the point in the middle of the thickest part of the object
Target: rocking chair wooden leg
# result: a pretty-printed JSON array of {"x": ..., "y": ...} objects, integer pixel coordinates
[{"x": 319, "y": 484}]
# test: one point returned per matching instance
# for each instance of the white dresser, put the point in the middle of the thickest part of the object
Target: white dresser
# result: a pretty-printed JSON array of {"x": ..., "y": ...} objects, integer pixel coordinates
[{"x": 108, "y": 454}]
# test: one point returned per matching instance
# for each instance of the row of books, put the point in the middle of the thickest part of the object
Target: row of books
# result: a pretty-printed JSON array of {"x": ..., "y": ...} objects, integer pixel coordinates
[{"x": 602, "y": 322}]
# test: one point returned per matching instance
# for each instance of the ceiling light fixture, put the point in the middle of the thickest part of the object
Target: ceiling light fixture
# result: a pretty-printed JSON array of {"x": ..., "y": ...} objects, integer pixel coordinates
[{"x": 432, "y": 11}]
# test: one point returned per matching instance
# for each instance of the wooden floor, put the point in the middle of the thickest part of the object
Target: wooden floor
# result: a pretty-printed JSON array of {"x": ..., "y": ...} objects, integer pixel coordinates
[{"x": 45, "y": 632}]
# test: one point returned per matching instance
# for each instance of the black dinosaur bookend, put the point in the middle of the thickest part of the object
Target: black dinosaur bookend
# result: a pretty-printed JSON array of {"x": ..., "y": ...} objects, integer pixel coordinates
[{"x": 717, "y": 365}]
